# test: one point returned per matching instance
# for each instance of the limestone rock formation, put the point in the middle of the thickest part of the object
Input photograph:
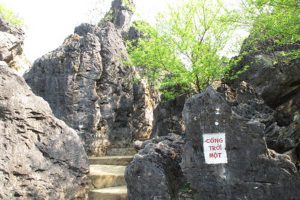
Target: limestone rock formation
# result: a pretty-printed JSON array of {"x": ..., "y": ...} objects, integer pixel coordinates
[
  {"x": 11, "y": 46},
  {"x": 67, "y": 79},
  {"x": 155, "y": 172},
  {"x": 87, "y": 85},
  {"x": 275, "y": 78},
  {"x": 41, "y": 157},
  {"x": 122, "y": 11},
  {"x": 253, "y": 171},
  {"x": 145, "y": 102},
  {"x": 168, "y": 117}
]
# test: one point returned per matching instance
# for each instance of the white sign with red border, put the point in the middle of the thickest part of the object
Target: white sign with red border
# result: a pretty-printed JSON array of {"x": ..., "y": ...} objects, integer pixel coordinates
[{"x": 214, "y": 145}]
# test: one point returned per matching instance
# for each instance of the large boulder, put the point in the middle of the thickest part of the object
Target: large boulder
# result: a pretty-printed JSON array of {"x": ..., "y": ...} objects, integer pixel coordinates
[
  {"x": 155, "y": 172},
  {"x": 11, "y": 46},
  {"x": 252, "y": 171},
  {"x": 41, "y": 157}
]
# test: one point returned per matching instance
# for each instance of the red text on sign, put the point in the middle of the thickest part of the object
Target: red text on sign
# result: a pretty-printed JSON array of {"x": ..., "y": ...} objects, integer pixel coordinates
[
  {"x": 215, "y": 155},
  {"x": 214, "y": 140}
]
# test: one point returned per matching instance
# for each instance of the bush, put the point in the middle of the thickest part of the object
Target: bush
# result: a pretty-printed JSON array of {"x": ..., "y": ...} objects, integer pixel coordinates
[{"x": 10, "y": 17}]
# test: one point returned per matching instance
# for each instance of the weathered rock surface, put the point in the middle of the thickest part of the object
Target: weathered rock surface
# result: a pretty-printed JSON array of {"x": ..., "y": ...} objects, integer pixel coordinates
[
  {"x": 122, "y": 11},
  {"x": 155, "y": 171},
  {"x": 253, "y": 171},
  {"x": 67, "y": 79},
  {"x": 11, "y": 46},
  {"x": 41, "y": 157},
  {"x": 168, "y": 117},
  {"x": 276, "y": 79},
  {"x": 283, "y": 139},
  {"x": 145, "y": 101},
  {"x": 89, "y": 87}
]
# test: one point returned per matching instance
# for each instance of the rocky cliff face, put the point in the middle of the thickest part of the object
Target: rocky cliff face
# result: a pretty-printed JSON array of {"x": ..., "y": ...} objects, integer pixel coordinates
[
  {"x": 253, "y": 171},
  {"x": 11, "y": 46},
  {"x": 276, "y": 79},
  {"x": 41, "y": 157},
  {"x": 259, "y": 114},
  {"x": 88, "y": 86}
]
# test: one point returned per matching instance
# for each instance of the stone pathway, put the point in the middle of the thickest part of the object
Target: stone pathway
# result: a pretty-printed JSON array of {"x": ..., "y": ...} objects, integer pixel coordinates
[{"x": 107, "y": 174}]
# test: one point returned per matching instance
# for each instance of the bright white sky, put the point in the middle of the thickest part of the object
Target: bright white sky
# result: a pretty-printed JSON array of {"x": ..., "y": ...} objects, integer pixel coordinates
[{"x": 49, "y": 22}]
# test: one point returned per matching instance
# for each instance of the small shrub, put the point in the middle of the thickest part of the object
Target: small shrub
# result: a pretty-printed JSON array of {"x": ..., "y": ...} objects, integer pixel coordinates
[{"x": 10, "y": 17}]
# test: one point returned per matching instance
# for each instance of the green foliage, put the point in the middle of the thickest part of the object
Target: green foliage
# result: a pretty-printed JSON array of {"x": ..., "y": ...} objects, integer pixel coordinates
[
  {"x": 10, "y": 17},
  {"x": 108, "y": 17},
  {"x": 129, "y": 5},
  {"x": 187, "y": 190},
  {"x": 276, "y": 21},
  {"x": 183, "y": 50}
]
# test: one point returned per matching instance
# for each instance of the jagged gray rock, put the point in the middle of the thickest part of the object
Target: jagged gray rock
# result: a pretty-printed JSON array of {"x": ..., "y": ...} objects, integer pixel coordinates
[
  {"x": 145, "y": 101},
  {"x": 168, "y": 117},
  {"x": 285, "y": 139},
  {"x": 11, "y": 46},
  {"x": 275, "y": 79},
  {"x": 41, "y": 157},
  {"x": 87, "y": 86},
  {"x": 67, "y": 79},
  {"x": 155, "y": 172},
  {"x": 122, "y": 11},
  {"x": 115, "y": 89},
  {"x": 253, "y": 171}
]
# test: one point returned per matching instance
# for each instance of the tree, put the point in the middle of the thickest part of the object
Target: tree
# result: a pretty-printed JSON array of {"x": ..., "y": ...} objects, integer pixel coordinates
[
  {"x": 9, "y": 16},
  {"x": 183, "y": 49},
  {"x": 276, "y": 19},
  {"x": 276, "y": 22}
]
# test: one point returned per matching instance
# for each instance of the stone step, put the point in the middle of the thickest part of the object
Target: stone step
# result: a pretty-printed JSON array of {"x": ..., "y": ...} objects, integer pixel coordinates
[
  {"x": 126, "y": 151},
  {"x": 107, "y": 176},
  {"x": 111, "y": 160},
  {"x": 111, "y": 193}
]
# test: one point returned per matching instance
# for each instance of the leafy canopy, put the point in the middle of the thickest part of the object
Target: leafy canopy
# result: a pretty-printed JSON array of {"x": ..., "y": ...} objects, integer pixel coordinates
[
  {"x": 275, "y": 20},
  {"x": 9, "y": 16},
  {"x": 181, "y": 53}
]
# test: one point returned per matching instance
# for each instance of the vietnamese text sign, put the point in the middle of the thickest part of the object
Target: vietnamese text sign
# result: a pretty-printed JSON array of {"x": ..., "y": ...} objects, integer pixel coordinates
[{"x": 214, "y": 146}]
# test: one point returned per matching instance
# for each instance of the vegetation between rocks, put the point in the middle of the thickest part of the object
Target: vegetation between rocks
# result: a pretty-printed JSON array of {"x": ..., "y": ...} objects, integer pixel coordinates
[{"x": 9, "y": 16}]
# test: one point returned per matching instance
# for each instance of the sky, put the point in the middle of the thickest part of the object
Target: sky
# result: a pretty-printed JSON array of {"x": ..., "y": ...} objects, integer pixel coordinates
[{"x": 49, "y": 22}]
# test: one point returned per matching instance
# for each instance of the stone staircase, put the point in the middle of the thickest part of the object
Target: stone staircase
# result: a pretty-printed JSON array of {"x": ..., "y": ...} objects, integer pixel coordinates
[{"x": 107, "y": 174}]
